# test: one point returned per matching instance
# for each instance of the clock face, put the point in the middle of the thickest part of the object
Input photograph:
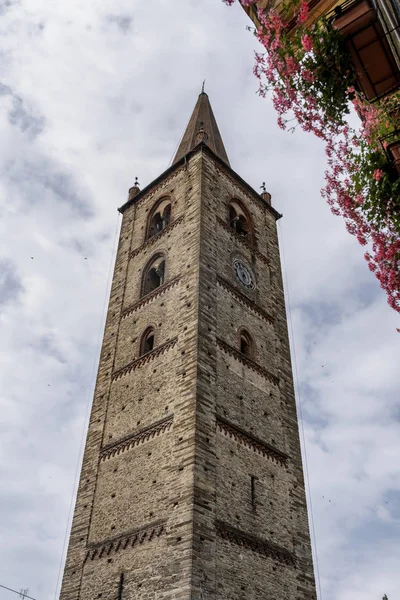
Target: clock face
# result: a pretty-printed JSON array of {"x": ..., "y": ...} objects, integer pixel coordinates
[{"x": 244, "y": 274}]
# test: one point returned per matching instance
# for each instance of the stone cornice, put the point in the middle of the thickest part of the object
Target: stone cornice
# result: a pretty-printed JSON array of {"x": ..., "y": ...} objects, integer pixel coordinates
[
  {"x": 255, "y": 543},
  {"x": 125, "y": 540},
  {"x": 162, "y": 180},
  {"x": 134, "y": 439},
  {"x": 252, "y": 442},
  {"x": 156, "y": 237},
  {"x": 244, "y": 300},
  {"x": 146, "y": 358},
  {"x": 155, "y": 186},
  {"x": 247, "y": 361},
  {"x": 149, "y": 297}
]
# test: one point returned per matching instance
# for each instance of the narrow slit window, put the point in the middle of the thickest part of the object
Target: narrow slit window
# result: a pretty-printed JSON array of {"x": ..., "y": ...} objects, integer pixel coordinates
[
  {"x": 120, "y": 586},
  {"x": 147, "y": 343},
  {"x": 253, "y": 480},
  {"x": 246, "y": 344}
]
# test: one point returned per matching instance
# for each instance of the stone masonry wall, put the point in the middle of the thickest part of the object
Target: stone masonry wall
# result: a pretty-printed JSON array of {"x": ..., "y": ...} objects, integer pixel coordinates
[
  {"x": 132, "y": 529},
  {"x": 192, "y": 483},
  {"x": 247, "y": 546}
]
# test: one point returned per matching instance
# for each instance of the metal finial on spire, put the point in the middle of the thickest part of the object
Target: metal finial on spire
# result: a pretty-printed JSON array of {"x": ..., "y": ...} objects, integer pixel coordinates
[
  {"x": 134, "y": 190},
  {"x": 264, "y": 194},
  {"x": 202, "y": 87}
]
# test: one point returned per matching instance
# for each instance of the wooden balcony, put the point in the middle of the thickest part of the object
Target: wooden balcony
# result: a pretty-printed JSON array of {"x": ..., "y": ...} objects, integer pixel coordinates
[
  {"x": 394, "y": 151},
  {"x": 372, "y": 45},
  {"x": 391, "y": 147},
  {"x": 371, "y": 31}
]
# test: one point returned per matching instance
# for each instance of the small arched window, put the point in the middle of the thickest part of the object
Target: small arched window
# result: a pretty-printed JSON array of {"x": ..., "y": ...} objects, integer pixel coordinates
[
  {"x": 154, "y": 274},
  {"x": 147, "y": 341},
  {"x": 239, "y": 220},
  {"x": 159, "y": 217},
  {"x": 246, "y": 344}
]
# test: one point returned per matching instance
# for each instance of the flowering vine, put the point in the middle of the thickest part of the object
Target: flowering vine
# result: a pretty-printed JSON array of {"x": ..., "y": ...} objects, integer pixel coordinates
[{"x": 309, "y": 72}]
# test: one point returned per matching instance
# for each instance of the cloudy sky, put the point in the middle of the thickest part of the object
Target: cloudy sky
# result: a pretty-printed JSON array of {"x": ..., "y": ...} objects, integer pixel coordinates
[{"x": 91, "y": 95}]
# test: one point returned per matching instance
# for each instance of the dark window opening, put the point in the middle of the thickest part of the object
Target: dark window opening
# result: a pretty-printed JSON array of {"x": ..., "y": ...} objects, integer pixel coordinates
[
  {"x": 159, "y": 220},
  {"x": 120, "y": 586},
  {"x": 238, "y": 221},
  {"x": 241, "y": 226},
  {"x": 245, "y": 344},
  {"x": 154, "y": 277},
  {"x": 166, "y": 216},
  {"x": 253, "y": 491},
  {"x": 147, "y": 343}
]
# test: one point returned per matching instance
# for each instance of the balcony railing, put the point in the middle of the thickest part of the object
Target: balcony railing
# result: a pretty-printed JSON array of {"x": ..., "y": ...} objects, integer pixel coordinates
[{"x": 391, "y": 145}]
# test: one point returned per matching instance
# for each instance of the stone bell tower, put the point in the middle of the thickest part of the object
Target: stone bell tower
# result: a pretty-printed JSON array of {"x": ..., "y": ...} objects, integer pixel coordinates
[{"x": 192, "y": 483}]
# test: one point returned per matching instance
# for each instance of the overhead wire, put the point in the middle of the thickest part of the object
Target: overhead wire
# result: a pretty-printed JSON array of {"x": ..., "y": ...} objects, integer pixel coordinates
[
  {"x": 88, "y": 406},
  {"x": 301, "y": 419},
  {"x": 20, "y": 593}
]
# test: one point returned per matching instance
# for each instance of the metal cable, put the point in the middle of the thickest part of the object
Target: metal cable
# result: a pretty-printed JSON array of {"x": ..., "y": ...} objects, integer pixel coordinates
[{"x": 301, "y": 420}]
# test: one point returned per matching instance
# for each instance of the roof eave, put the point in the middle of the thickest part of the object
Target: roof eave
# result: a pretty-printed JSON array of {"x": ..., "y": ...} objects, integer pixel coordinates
[{"x": 182, "y": 161}]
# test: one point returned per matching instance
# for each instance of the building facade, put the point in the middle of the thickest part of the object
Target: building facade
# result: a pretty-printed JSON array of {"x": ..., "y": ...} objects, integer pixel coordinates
[
  {"x": 371, "y": 33},
  {"x": 192, "y": 482}
]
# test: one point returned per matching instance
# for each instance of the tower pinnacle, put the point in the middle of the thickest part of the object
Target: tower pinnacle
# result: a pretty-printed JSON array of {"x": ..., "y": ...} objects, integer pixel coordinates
[{"x": 202, "y": 120}]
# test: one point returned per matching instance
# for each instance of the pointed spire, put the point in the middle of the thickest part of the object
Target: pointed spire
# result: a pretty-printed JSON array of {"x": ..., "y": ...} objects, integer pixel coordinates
[{"x": 202, "y": 127}]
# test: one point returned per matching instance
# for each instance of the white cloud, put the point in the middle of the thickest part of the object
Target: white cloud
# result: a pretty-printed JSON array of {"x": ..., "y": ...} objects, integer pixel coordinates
[{"x": 97, "y": 93}]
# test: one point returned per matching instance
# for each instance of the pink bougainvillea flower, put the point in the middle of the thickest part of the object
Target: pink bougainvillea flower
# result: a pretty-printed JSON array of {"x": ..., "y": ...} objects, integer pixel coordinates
[
  {"x": 307, "y": 42},
  {"x": 308, "y": 75},
  {"x": 303, "y": 13},
  {"x": 281, "y": 70}
]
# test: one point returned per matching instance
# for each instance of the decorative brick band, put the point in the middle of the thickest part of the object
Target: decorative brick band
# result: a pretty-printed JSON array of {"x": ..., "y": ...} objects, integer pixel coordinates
[
  {"x": 156, "y": 237},
  {"x": 146, "y": 358},
  {"x": 130, "y": 441},
  {"x": 149, "y": 297},
  {"x": 247, "y": 361},
  {"x": 252, "y": 442},
  {"x": 244, "y": 300},
  {"x": 129, "y": 539},
  {"x": 255, "y": 543}
]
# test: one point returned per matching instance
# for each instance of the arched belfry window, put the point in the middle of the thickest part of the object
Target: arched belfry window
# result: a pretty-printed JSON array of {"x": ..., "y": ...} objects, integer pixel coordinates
[
  {"x": 154, "y": 274},
  {"x": 246, "y": 344},
  {"x": 159, "y": 217},
  {"x": 240, "y": 220},
  {"x": 147, "y": 341}
]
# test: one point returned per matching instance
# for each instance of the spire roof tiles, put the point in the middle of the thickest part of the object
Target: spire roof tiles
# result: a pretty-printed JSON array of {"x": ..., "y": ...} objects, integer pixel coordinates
[{"x": 202, "y": 119}]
